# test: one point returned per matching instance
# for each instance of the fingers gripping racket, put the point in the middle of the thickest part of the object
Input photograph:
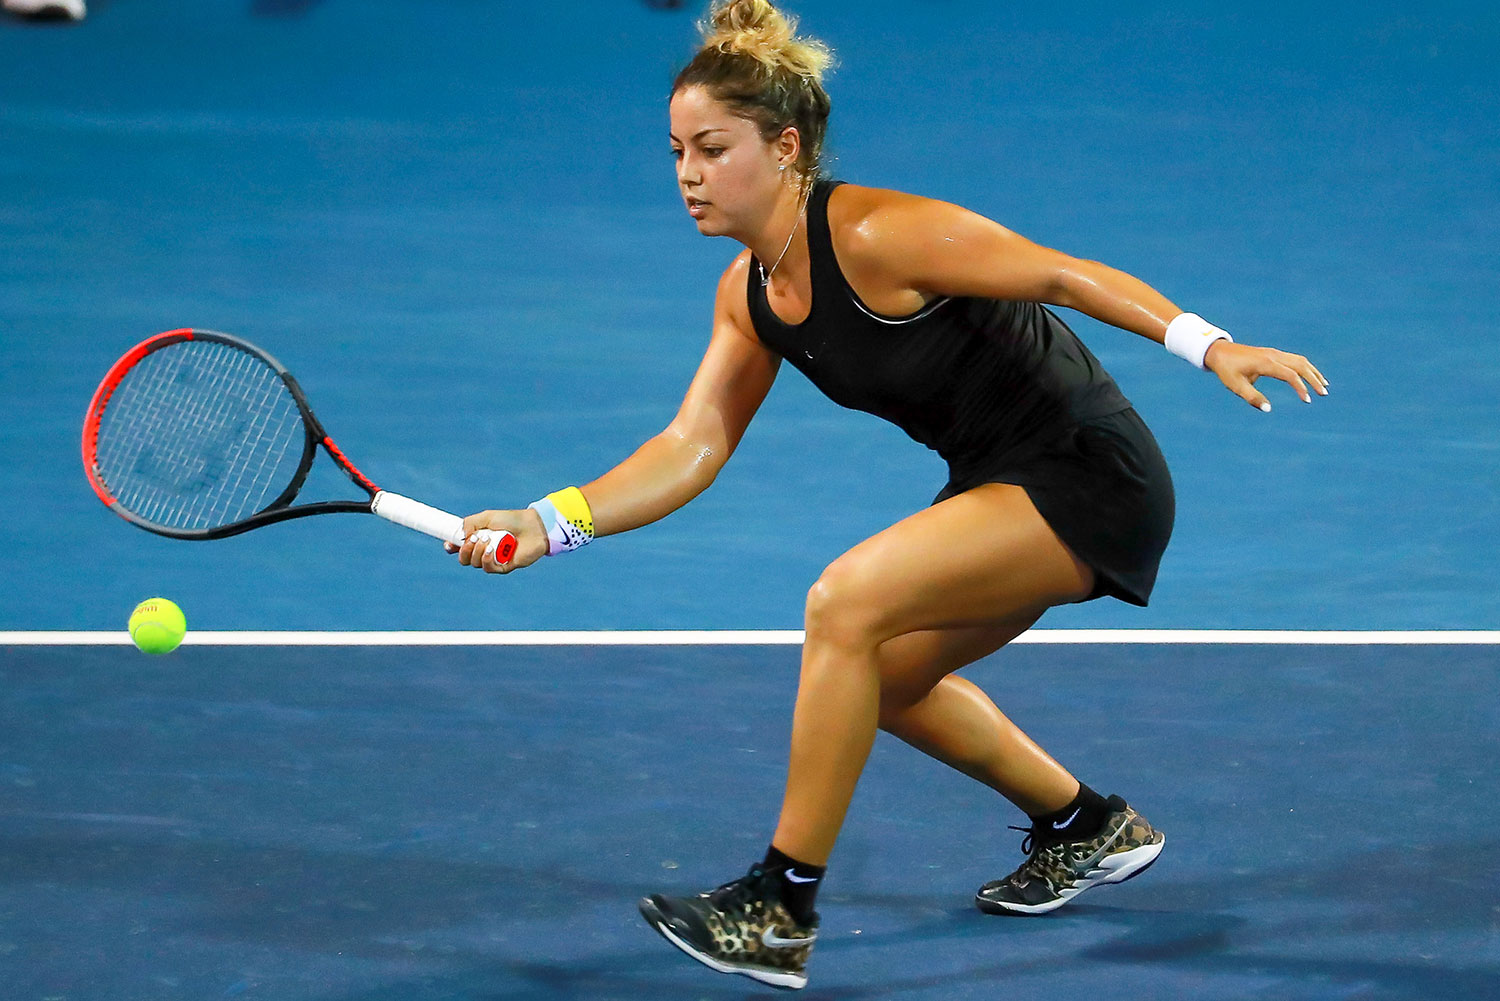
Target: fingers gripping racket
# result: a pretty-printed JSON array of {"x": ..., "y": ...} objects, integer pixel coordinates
[{"x": 195, "y": 434}]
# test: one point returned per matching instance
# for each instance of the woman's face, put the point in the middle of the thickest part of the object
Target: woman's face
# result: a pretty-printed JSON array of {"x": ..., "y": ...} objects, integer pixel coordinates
[{"x": 727, "y": 175}]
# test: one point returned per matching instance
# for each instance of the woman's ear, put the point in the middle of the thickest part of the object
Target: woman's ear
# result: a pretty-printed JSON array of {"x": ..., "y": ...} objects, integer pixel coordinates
[{"x": 789, "y": 146}]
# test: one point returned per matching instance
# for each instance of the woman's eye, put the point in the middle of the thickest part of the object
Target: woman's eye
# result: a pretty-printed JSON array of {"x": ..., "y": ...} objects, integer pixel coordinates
[
  {"x": 676, "y": 154},
  {"x": 712, "y": 152}
]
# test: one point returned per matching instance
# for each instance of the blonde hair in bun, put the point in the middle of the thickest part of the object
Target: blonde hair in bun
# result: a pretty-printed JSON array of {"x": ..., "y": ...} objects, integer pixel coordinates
[
  {"x": 768, "y": 36},
  {"x": 753, "y": 61}
]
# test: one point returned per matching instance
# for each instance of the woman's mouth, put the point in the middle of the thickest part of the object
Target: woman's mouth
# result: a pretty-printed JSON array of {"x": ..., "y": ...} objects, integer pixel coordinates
[{"x": 696, "y": 208}]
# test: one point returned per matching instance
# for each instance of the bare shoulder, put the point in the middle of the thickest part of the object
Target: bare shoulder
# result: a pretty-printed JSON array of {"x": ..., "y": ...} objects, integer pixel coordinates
[
  {"x": 901, "y": 251},
  {"x": 738, "y": 271},
  {"x": 730, "y": 300},
  {"x": 855, "y": 203},
  {"x": 875, "y": 227}
]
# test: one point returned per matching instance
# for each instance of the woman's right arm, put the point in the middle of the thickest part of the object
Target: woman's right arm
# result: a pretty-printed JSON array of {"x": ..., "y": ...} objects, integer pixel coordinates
[{"x": 684, "y": 459}]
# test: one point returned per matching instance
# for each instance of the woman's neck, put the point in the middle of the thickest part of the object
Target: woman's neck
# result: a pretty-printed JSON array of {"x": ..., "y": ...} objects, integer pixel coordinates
[{"x": 782, "y": 242}]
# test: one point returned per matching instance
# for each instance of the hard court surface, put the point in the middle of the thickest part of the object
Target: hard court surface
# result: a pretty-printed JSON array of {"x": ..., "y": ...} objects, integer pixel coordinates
[{"x": 455, "y": 221}]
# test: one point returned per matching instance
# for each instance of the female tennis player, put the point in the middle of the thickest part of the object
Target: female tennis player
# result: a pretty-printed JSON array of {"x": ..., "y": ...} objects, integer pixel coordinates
[{"x": 934, "y": 318}]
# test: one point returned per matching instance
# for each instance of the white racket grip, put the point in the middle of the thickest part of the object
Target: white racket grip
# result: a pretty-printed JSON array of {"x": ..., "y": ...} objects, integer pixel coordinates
[
  {"x": 423, "y": 518},
  {"x": 432, "y": 521}
]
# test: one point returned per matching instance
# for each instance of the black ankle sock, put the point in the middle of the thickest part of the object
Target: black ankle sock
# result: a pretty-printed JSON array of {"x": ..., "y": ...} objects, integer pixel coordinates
[
  {"x": 799, "y": 882},
  {"x": 1080, "y": 820}
]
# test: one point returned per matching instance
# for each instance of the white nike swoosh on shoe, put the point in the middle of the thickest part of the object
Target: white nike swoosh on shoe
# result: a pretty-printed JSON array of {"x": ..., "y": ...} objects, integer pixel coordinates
[
  {"x": 771, "y": 940},
  {"x": 1093, "y": 860}
]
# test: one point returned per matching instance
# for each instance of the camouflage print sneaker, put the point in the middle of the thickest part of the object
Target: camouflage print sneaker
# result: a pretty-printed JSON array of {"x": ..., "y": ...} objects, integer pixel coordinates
[
  {"x": 742, "y": 927},
  {"x": 1057, "y": 871}
]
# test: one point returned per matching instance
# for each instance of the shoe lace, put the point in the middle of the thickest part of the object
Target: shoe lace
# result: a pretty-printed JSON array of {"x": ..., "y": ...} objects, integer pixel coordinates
[
  {"x": 737, "y": 892},
  {"x": 1028, "y": 842},
  {"x": 1040, "y": 857}
]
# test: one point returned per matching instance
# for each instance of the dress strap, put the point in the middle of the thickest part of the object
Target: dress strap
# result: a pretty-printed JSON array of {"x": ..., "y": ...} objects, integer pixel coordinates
[{"x": 822, "y": 265}]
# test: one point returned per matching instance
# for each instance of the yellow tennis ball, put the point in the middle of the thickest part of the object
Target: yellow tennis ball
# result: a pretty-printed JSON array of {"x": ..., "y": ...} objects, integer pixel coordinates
[{"x": 157, "y": 625}]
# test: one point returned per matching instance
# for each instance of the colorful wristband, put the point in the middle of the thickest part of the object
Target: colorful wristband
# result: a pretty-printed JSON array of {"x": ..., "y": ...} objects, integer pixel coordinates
[
  {"x": 1190, "y": 335},
  {"x": 569, "y": 521}
]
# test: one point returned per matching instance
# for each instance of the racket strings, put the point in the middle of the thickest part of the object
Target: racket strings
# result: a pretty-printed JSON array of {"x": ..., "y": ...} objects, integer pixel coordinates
[{"x": 199, "y": 434}]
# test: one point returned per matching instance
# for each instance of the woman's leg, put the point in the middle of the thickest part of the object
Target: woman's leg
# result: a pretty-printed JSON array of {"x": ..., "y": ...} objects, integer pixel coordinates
[
  {"x": 887, "y": 624},
  {"x": 954, "y": 721},
  {"x": 984, "y": 559}
]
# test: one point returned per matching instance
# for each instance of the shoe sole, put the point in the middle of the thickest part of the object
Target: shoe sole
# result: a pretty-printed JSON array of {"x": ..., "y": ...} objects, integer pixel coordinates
[
  {"x": 1117, "y": 868},
  {"x": 776, "y": 978}
]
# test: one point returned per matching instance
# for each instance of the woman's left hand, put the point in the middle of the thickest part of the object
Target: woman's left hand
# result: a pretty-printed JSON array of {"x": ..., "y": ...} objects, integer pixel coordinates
[{"x": 1239, "y": 365}]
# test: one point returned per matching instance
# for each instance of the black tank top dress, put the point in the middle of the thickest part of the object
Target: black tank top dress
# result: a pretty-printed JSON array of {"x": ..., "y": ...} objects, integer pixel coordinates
[{"x": 1005, "y": 393}]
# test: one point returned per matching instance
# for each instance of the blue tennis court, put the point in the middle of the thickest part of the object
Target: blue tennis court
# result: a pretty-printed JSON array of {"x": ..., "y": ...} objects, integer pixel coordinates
[
  {"x": 477, "y": 823},
  {"x": 456, "y": 222},
  {"x": 424, "y": 823}
]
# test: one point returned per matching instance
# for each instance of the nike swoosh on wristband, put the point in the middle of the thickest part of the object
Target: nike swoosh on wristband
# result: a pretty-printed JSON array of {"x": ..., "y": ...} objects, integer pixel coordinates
[
  {"x": 792, "y": 875},
  {"x": 1065, "y": 823},
  {"x": 771, "y": 940}
]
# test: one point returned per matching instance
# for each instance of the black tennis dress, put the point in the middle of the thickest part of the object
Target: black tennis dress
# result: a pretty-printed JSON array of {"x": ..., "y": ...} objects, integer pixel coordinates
[{"x": 1005, "y": 393}]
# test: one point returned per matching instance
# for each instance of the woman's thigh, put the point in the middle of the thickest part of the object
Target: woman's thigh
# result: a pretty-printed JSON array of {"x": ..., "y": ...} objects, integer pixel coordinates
[{"x": 984, "y": 560}]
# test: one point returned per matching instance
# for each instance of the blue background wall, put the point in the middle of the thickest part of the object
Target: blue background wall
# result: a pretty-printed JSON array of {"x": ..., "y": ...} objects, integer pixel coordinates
[{"x": 456, "y": 222}]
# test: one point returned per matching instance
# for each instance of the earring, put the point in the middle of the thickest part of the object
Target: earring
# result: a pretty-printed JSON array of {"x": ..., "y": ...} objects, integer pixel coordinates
[{"x": 783, "y": 166}]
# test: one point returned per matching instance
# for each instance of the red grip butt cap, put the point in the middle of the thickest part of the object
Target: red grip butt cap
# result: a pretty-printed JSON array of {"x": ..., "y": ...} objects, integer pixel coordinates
[{"x": 505, "y": 549}]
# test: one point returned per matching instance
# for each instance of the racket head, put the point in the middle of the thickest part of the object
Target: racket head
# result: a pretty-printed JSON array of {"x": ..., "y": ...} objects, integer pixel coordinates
[{"x": 197, "y": 434}]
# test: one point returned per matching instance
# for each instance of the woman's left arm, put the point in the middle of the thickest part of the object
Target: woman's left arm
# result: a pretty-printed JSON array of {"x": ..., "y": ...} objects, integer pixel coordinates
[{"x": 940, "y": 249}]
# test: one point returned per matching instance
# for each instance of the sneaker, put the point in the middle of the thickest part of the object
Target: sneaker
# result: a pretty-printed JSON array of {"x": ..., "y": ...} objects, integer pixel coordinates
[
  {"x": 742, "y": 927},
  {"x": 48, "y": 10},
  {"x": 1057, "y": 871}
]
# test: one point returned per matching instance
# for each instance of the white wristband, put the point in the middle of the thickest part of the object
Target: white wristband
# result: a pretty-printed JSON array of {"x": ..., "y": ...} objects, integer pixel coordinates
[{"x": 1189, "y": 337}]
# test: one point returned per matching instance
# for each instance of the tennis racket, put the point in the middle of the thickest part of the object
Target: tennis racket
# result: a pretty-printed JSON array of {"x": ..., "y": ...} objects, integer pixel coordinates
[{"x": 195, "y": 434}]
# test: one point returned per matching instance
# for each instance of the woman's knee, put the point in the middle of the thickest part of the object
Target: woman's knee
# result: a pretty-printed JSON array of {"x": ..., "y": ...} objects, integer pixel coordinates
[{"x": 844, "y": 605}]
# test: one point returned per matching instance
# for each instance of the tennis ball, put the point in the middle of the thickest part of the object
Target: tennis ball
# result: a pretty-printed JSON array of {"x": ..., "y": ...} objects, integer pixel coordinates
[{"x": 157, "y": 625}]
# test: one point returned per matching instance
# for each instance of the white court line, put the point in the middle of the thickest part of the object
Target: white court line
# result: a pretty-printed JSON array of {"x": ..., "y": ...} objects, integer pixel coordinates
[{"x": 754, "y": 637}]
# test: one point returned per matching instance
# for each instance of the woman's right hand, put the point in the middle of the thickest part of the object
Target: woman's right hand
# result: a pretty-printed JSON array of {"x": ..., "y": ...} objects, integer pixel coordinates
[
  {"x": 526, "y": 526},
  {"x": 1239, "y": 365}
]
